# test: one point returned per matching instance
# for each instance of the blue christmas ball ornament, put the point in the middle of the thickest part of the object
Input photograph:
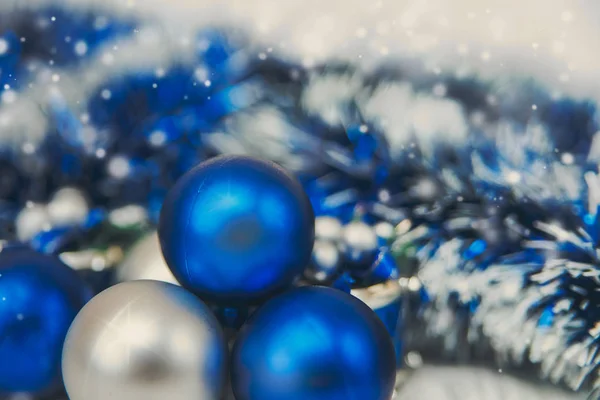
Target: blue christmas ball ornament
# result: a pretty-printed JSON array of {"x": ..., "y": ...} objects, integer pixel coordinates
[
  {"x": 39, "y": 298},
  {"x": 236, "y": 229},
  {"x": 314, "y": 343}
]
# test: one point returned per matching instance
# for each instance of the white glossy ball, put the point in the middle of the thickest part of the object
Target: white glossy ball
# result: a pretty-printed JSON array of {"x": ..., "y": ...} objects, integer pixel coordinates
[
  {"x": 325, "y": 262},
  {"x": 384, "y": 230},
  {"x": 359, "y": 243},
  {"x": 68, "y": 207},
  {"x": 31, "y": 221},
  {"x": 145, "y": 340},
  {"x": 328, "y": 228},
  {"x": 145, "y": 261},
  {"x": 359, "y": 236}
]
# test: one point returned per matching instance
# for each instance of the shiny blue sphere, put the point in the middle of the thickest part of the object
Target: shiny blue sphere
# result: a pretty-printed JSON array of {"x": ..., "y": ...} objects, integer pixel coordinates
[
  {"x": 39, "y": 298},
  {"x": 236, "y": 229},
  {"x": 314, "y": 343}
]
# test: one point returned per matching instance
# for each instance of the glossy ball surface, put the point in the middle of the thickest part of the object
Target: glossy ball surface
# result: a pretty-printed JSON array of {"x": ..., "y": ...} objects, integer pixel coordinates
[
  {"x": 314, "y": 343},
  {"x": 236, "y": 229},
  {"x": 39, "y": 298},
  {"x": 145, "y": 340}
]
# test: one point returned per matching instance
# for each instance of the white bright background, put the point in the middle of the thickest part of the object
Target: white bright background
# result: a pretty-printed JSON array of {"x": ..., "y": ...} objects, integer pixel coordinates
[{"x": 556, "y": 40}]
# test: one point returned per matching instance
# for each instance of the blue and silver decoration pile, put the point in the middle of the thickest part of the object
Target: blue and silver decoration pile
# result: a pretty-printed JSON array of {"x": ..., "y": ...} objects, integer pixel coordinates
[{"x": 464, "y": 213}]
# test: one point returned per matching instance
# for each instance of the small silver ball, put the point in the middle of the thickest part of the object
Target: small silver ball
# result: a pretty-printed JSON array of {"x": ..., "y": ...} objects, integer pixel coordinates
[
  {"x": 384, "y": 230},
  {"x": 328, "y": 228},
  {"x": 68, "y": 207},
  {"x": 359, "y": 243},
  {"x": 144, "y": 340},
  {"x": 360, "y": 236},
  {"x": 32, "y": 220},
  {"x": 325, "y": 262},
  {"x": 145, "y": 261},
  {"x": 128, "y": 216}
]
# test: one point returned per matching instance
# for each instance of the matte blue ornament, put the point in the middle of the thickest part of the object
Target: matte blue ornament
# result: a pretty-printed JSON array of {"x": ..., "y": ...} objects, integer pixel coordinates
[
  {"x": 39, "y": 298},
  {"x": 232, "y": 317},
  {"x": 344, "y": 282},
  {"x": 236, "y": 229},
  {"x": 314, "y": 343},
  {"x": 383, "y": 269}
]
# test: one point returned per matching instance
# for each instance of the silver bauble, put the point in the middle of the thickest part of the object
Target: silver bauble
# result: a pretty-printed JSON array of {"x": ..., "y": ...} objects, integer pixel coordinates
[
  {"x": 359, "y": 244},
  {"x": 145, "y": 340},
  {"x": 68, "y": 207},
  {"x": 359, "y": 236},
  {"x": 328, "y": 228},
  {"x": 384, "y": 230},
  {"x": 145, "y": 261},
  {"x": 325, "y": 262},
  {"x": 31, "y": 220}
]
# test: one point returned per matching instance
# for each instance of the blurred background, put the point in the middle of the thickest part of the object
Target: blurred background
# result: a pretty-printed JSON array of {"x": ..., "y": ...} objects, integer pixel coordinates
[{"x": 489, "y": 99}]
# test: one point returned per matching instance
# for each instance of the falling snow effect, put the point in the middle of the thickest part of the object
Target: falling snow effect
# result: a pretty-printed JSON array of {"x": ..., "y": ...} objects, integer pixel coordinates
[{"x": 481, "y": 195}]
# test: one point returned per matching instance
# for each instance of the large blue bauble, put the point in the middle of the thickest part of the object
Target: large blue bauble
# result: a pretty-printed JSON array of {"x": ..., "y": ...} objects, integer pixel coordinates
[
  {"x": 314, "y": 343},
  {"x": 39, "y": 298},
  {"x": 236, "y": 229}
]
